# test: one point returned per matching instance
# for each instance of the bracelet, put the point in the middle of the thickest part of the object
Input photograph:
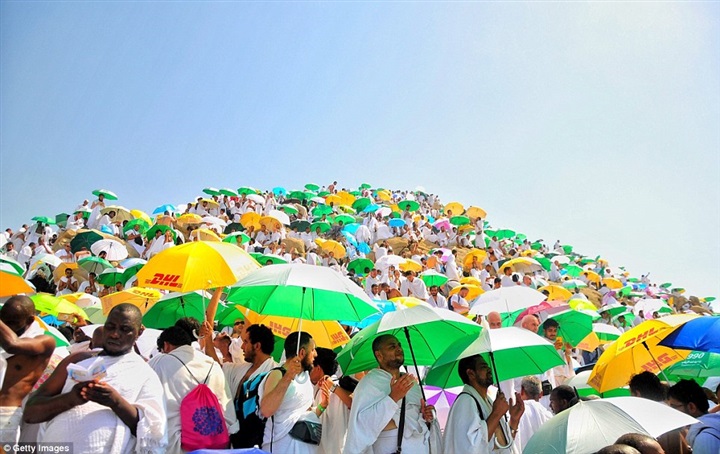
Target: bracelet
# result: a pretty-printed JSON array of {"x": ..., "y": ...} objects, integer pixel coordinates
[{"x": 321, "y": 408}]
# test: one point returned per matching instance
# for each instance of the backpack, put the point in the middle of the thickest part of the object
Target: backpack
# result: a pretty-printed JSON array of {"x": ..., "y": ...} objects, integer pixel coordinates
[
  {"x": 202, "y": 421},
  {"x": 247, "y": 409}
]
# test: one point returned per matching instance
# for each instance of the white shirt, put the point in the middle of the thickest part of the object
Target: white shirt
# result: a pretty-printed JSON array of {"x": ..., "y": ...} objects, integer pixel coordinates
[{"x": 416, "y": 288}]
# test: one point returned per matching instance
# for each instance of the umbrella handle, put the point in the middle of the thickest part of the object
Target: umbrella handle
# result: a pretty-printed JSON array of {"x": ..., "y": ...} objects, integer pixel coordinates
[{"x": 511, "y": 440}]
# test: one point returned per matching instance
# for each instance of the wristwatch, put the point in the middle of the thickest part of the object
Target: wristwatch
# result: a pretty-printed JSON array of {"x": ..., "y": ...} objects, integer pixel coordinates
[{"x": 333, "y": 388}]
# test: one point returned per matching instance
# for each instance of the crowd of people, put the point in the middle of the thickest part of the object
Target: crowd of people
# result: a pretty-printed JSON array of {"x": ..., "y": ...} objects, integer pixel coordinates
[{"x": 148, "y": 404}]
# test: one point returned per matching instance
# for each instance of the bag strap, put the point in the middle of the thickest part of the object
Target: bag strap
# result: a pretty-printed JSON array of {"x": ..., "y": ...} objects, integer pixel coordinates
[
  {"x": 401, "y": 428},
  {"x": 186, "y": 368},
  {"x": 208, "y": 374},
  {"x": 477, "y": 404}
]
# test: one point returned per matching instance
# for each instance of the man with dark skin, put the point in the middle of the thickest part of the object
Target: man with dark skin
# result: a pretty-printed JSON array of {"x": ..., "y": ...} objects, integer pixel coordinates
[
  {"x": 122, "y": 328},
  {"x": 30, "y": 356}
]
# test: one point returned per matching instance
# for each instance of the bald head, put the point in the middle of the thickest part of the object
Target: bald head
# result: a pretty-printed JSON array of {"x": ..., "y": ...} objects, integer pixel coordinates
[
  {"x": 18, "y": 313},
  {"x": 530, "y": 323},
  {"x": 494, "y": 320},
  {"x": 645, "y": 444},
  {"x": 129, "y": 312},
  {"x": 618, "y": 449}
]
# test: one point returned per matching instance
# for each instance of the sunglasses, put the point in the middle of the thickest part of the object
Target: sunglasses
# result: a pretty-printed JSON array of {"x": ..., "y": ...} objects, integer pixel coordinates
[{"x": 239, "y": 323}]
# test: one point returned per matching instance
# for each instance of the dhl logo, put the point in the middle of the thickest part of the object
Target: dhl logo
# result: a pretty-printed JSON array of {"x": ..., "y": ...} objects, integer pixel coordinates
[
  {"x": 166, "y": 280},
  {"x": 664, "y": 359},
  {"x": 145, "y": 294},
  {"x": 279, "y": 329},
  {"x": 640, "y": 338},
  {"x": 339, "y": 337}
]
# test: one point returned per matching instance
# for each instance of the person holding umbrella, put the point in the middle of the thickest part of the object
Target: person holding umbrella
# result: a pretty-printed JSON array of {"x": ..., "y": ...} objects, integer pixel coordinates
[
  {"x": 388, "y": 413},
  {"x": 475, "y": 423}
]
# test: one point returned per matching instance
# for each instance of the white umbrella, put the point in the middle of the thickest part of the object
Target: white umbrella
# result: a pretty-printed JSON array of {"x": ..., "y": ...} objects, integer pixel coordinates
[
  {"x": 280, "y": 216},
  {"x": 121, "y": 213},
  {"x": 147, "y": 342},
  {"x": 213, "y": 220},
  {"x": 88, "y": 300},
  {"x": 50, "y": 259},
  {"x": 115, "y": 251},
  {"x": 506, "y": 299},
  {"x": 386, "y": 260},
  {"x": 256, "y": 198},
  {"x": 588, "y": 426},
  {"x": 561, "y": 259}
]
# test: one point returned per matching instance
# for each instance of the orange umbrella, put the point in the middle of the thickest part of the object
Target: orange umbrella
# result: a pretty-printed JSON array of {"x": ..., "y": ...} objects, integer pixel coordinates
[{"x": 143, "y": 298}]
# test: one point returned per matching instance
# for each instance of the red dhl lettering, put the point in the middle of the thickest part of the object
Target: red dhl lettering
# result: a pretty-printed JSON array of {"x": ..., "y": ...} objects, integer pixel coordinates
[
  {"x": 167, "y": 280},
  {"x": 640, "y": 338},
  {"x": 338, "y": 337},
  {"x": 279, "y": 329},
  {"x": 663, "y": 359}
]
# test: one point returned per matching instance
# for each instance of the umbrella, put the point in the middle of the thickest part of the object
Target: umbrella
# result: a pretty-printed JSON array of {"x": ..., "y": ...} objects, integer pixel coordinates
[
  {"x": 305, "y": 291},
  {"x": 612, "y": 283},
  {"x": 325, "y": 333},
  {"x": 288, "y": 209},
  {"x": 205, "y": 235},
  {"x": 359, "y": 265},
  {"x": 345, "y": 218},
  {"x": 397, "y": 222},
  {"x": 95, "y": 314},
  {"x": 211, "y": 203},
  {"x": 459, "y": 220},
  {"x": 505, "y": 234},
  {"x": 78, "y": 273},
  {"x": 556, "y": 292},
  {"x": 697, "y": 365},
  {"x": 17, "y": 266},
  {"x": 272, "y": 258},
  {"x": 84, "y": 300},
  {"x": 211, "y": 191},
  {"x": 574, "y": 284},
  {"x": 140, "y": 222},
  {"x": 174, "y": 306},
  {"x": 312, "y": 187},
  {"x": 150, "y": 234},
  {"x": 85, "y": 239},
  {"x": 409, "y": 301},
  {"x": 409, "y": 205},
  {"x": 386, "y": 260},
  {"x": 121, "y": 213},
  {"x": 333, "y": 246},
  {"x": 111, "y": 277},
  {"x": 109, "y": 195},
  {"x": 247, "y": 190},
  {"x": 44, "y": 220},
  {"x": 237, "y": 238},
  {"x": 410, "y": 265},
  {"x": 324, "y": 226},
  {"x": 300, "y": 224},
  {"x": 319, "y": 210},
  {"x": 637, "y": 350},
  {"x": 228, "y": 192},
  {"x": 573, "y": 270},
  {"x": 278, "y": 190},
  {"x": 579, "y": 382},
  {"x": 424, "y": 331},
  {"x": 50, "y": 304},
  {"x": 433, "y": 278},
  {"x": 276, "y": 221},
  {"x": 479, "y": 253},
  {"x": 473, "y": 291},
  {"x": 50, "y": 259},
  {"x": 575, "y": 325},
  {"x": 361, "y": 203},
  {"x": 523, "y": 265},
  {"x": 131, "y": 267},
  {"x": 142, "y": 298},
  {"x": 649, "y": 306},
  {"x": 13, "y": 284},
  {"x": 198, "y": 265},
  {"x": 506, "y": 299},
  {"x": 588, "y": 426},
  {"x": 601, "y": 334},
  {"x": 701, "y": 334},
  {"x": 214, "y": 220},
  {"x": 94, "y": 264},
  {"x": 513, "y": 352},
  {"x": 456, "y": 208},
  {"x": 189, "y": 218},
  {"x": 114, "y": 249},
  {"x": 474, "y": 212}
]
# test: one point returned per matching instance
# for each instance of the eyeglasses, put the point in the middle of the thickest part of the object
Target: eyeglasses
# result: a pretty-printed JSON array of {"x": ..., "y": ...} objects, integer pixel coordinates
[{"x": 239, "y": 323}]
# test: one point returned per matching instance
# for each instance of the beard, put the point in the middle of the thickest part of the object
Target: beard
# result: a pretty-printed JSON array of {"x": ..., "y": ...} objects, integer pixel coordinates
[{"x": 306, "y": 364}]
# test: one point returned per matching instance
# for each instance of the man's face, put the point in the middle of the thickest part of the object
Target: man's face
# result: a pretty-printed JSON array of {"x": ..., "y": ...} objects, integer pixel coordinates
[
  {"x": 483, "y": 373},
  {"x": 120, "y": 333},
  {"x": 433, "y": 291},
  {"x": 551, "y": 333},
  {"x": 464, "y": 292},
  {"x": 68, "y": 273},
  {"x": 390, "y": 355},
  {"x": 531, "y": 324},
  {"x": 507, "y": 271},
  {"x": 494, "y": 321},
  {"x": 556, "y": 404},
  {"x": 248, "y": 347},
  {"x": 310, "y": 355}
]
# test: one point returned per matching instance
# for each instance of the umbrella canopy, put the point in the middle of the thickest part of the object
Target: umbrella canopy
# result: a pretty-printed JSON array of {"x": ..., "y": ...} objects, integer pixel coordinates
[
  {"x": 94, "y": 264},
  {"x": 409, "y": 205},
  {"x": 359, "y": 265},
  {"x": 579, "y": 382},
  {"x": 637, "y": 350},
  {"x": 556, "y": 292},
  {"x": 433, "y": 278},
  {"x": 702, "y": 334},
  {"x": 237, "y": 238},
  {"x": 114, "y": 249},
  {"x": 325, "y": 333},
  {"x": 513, "y": 352},
  {"x": 601, "y": 334},
  {"x": 18, "y": 267},
  {"x": 189, "y": 218},
  {"x": 305, "y": 291},
  {"x": 456, "y": 208},
  {"x": 198, "y": 265},
  {"x": 85, "y": 239},
  {"x": 333, "y": 246},
  {"x": 474, "y": 212},
  {"x": 480, "y": 254},
  {"x": 122, "y": 214},
  {"x": 143, "y": 298},
  {"x": 44, "y": 220},
  {"x": 111, "y": 277},
  {"x": 431, "y": 332},
  {"x": 524, "y": 265},
  {"x": 141, "y": 223},
  {"x": 228, "y": 192},
  {"x": 588, "y": 426},
  {"x": 612, "y": 283},
  {"x": 271, "y": 258},
  {"x": 109, "y": 195},
  {"x": 324, "y": 226},
  {"x": 321, "y": 209},
  {"x": 211, "y": 191},
  {"x": 459, "y": 220},
  {"x": 574, "y": 284},
  {"x": 575, "y": 325},
  {"x": 506, "y": 299},
  {"x": 174, "y": 306},
  {"x": 696, "y": 365},
  {"x": 50, "y": 304}
]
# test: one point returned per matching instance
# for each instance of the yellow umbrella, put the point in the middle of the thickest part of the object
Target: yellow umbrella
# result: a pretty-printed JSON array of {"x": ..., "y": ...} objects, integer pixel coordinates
[
  {"x": 612, "y": 283},
  {"x": 346, "y": 198},
  {"x": 78, "y": 273},
  {"x": 466, "y": 228},
  {"x": 384, "y": 195},
  {"x": 409, "y": 301},
  {"x": 12, "y": 284},
  {"x": 522, "y": 265},
  {"x": 474, "y": 212},
  {"x": 471, "y": 281},
  {"x": 250, "y": 218},
  {"x": 474, "y": 291},
  {"x": 189, "y": 218},
  {"x": 637, "y": 350},
  {"x": 206, "y": 235},
  {"x": 455, "y": 207},
  {"x": 273, "y": 224},
  {"x": 479, "y": 253},
  {"x": 410, "y": 265},
  {"x": 143, "y": 298},
  {"x": 327, "y": 333},
  {"x": 199, "y": 265},
  {"x": 46, "y": 303},
  {"x": 139, "y": 214},
  {"x": 121, "y": 213},
  {"x": 529, "y": 253},
  {"x": 346, "y": 209},
  {"x": 592, "y": 276},
  {"x": 580, "y": 304},
  {"x": 556, "y": 292},
  {"x": 211, "y": 203},
  {"x": 333, "y": 246},
  {"x": 334, "y": 199}
]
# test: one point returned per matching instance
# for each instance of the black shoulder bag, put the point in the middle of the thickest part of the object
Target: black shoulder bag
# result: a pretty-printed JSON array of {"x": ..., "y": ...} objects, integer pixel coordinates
[{"x": 401, "y": 428}]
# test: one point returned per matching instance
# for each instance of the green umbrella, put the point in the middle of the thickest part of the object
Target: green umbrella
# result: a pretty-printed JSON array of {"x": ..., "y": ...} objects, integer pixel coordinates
[
  {"x": 321, "y": 209},
  {"x": 312, "y": 187},
  {"x": 361, "y": 203},
  {"x": 709, "y": 299},
  {"x": 505, "y": 234},
  {"x": 304, "y": 291},
  {"x": 409, "y": 205},
  {"x": 174, "y": 306},
  {"x": 574, "y": 325},
  {"x": 255, "y": 255},
  {"x": 573, "y": 270},
  {"x": 247, "y": 190},
  {"x": 365, "y": 186},
  {"x": 61, "y": 219},
  {"x": 536, "y": 246},
  {"x": 567, "y": 248},
  {"x": 84, "y": 239},
  {"x": 44, "y": 220},
  {"x": 236, "y": 237},
  {"x": 211, "y": 191},
  {"x": 274, "y": 259},
  {"x": 233, "y": 227},
  {"x": 459, "y": 220},
  {"x": 16, "y": 266},
  {"x": 95, "y": 314},
  {"x": 359, "y": 265},
  {"x": 634, "y": 280},
  {"x": 324, "y": 226},
  {"x": 139, "y": 222},
  {"x": 111, "y": 277},
  {"x": 355, "y": 193},
  {"x": 109, "y": 195},
  {"x": 300, "y": 224},
  {"x": 512, "y": 352},
  {"x": 228, "y": 192},
  {"x": 323, "y": 193},
  {"x": 546, "y": 264},
  {"x": 433, "y": 278},
  {"x": 520, "y": 237},
  {"x": 300, "y": 195},
  {"x": 345, "y": 218},
  {"x": 697, "y": 365},
  {"x": 424, "y": 332},
  {"x": 94, "y": 264},
  {"x": 150, "y": 234},
  {"x": 614, "y": 309},
  {"x": 288, "y": 209},
  {"x": 132, "y": 270}
]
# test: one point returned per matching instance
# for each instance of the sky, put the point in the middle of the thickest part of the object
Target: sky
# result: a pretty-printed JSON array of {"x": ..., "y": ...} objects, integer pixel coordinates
[{"x": 593, "y": 123}]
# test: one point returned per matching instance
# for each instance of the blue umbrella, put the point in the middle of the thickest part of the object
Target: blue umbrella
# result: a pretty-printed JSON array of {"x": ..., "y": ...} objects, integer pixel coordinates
[
  {"x": 279, "y": 191},
  {"x": 350, "y": 239},
  {"x": 352, "y": 228},
  {"x": 701, "y": 334},
  {"x": 364, "y": 248},
  {"x": 373, "y": 207},
  {"x": 163, "y": 208},
  {"x": 397, "y": 222},
  {"x": 384, "y": 306}
]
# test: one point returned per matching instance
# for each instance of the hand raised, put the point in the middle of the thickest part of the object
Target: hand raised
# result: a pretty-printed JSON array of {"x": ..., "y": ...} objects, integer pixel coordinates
[{"x": 401, "y": 386}]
